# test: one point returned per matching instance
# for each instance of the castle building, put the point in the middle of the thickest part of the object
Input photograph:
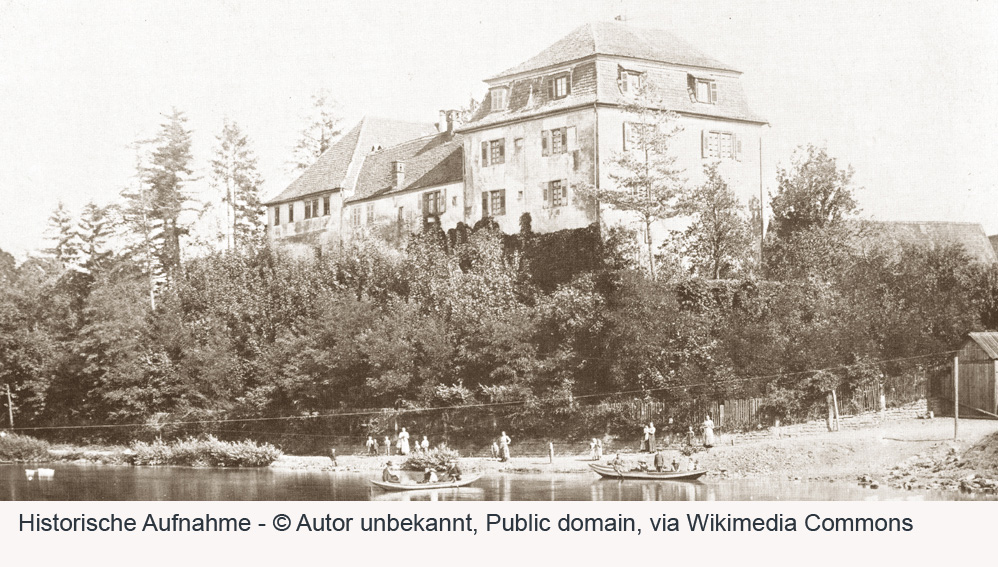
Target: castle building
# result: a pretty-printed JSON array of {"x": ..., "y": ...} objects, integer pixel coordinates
[{"x": 546, "y": 130}]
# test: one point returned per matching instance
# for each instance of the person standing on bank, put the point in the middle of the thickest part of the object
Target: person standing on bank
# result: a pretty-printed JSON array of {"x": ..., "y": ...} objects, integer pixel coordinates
[
  {"x": 651, "y": 437},
  {"x": 425, "y": 444},
  {"x": 708, "y": 432},
  {"x": 659, "y": 461},
  {"x": 388, "y": 446},
  {"x": 372, "y": 446},
  {"x": 504, "y": 442},
  {"x": 644, "y": 440},
  {"x": 403, "y": 442}
]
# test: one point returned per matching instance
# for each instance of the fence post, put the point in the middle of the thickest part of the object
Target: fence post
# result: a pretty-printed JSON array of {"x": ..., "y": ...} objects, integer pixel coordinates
[
  {"x": 835, "y": 400},
  {"x": 831, "y": 412},
  {"x": 956, "y": 396}
]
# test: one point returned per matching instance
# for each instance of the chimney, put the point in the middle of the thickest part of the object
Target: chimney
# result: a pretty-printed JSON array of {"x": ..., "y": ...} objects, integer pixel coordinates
[{"x": 399, "y": 168}]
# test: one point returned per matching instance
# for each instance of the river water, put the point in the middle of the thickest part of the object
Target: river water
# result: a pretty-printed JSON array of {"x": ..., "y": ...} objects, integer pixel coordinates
[{"x": 99, "y": 482}]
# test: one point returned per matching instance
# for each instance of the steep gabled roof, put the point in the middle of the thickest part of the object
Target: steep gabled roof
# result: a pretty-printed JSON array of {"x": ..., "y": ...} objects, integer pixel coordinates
[
  {"x": 987, "y": 340},
  {"x": 933, "y": 234},
  {"x": 618, "y": 39},
  {"x": 429, "y": 161},
  {"x": 338, "y": 167}
]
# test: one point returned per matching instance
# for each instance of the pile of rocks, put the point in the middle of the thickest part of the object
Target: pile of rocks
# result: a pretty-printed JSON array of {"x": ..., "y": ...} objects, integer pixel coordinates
[{"x": 946, "y": 472}]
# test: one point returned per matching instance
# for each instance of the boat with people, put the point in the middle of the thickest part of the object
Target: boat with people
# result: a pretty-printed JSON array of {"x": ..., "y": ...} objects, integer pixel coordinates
[
  {"x": 403, "y": 486},
  {"x": 608, "y": 471}
]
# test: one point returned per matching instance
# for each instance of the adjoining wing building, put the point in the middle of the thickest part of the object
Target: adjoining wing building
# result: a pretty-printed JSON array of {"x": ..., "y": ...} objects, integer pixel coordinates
[{"x": 547, "y": 128}]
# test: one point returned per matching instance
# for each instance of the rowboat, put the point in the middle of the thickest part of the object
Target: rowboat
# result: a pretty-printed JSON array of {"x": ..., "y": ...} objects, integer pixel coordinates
[
  {"x": 607, "y": 471},
  {"x": 398, "y": 486}
]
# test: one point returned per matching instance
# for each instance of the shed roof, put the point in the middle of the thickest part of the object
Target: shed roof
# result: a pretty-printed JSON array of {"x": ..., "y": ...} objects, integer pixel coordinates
[
  {"x": 988, "y": 341},
  {"x": 338, "y": 167}
]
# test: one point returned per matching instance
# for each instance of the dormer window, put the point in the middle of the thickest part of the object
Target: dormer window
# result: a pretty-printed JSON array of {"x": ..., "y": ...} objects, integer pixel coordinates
[
  {"x": 500, "y": 98},
  {"x": 702, "y": 90},
  {"x": 559, "y": 87},
  {"x": 630, "y": 81}
]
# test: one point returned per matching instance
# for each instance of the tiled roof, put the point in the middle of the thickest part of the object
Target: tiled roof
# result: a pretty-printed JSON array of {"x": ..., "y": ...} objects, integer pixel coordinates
[
  {"x": 994, "y": 242},
  {"x": 988, "y": 341},
  {"x": 338, "y": 167},
  {"x": 596, "y": 81},
  {"x": 934, "y": 235},
  {"x": 619, "y": 39},
  {"x": 429, "y": 161}
]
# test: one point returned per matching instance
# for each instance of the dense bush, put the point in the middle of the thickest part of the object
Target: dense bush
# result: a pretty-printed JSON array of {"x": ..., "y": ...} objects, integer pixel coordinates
[
  {"x": 206, "y": 452},
  {"x": 23, "y": 449}
]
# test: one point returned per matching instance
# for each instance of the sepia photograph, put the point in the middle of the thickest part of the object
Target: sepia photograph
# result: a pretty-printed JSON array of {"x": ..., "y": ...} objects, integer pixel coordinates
[{"x": 604, "y": 250}]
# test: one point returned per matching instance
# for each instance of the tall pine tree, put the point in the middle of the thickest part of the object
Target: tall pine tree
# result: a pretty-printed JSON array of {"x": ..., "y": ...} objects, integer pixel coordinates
[
  {"x": 65, "y": 240},
  {"x": 155, "y": 208},
  {"x": 234, "y": 173},
  {"x": 325, "y": 126}
]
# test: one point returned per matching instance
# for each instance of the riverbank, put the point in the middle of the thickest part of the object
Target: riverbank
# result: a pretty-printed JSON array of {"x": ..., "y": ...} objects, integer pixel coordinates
[{"x": 869, "y": 456}]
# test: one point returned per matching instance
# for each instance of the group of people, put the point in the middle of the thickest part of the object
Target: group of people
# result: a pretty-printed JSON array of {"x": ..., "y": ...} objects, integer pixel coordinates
[
  {"x": 648, "y": 444},
  {"x": 596, "y": 449},
  {"x": 401, "y": 445},
  {"x": 658, "y": 462},
  {"x": 500, "y": 447},
  {"x": 391, "y": 473}
]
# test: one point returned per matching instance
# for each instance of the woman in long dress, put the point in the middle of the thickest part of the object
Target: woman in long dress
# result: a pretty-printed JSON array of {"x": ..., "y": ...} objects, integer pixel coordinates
[
  {"x": 708, "y": 432},
  {"x": 651, "y": 437},
  {"x": 404, "y": 442},
  {"x": 644, "y": 441}
]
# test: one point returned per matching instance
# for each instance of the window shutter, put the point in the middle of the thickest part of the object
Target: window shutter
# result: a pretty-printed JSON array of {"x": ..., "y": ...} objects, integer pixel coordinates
[
  {"x": 691, "y": 86},
  {"x": 568, "y": 85},
  {"x": 576, "y": 160},
  {"x": 502, "y": 149},
  {"x": 564, "y": 190},
  {"x": 564, "y": 139},
  {"x": 546, "y": 192},
  {"x": 442, "y": 205},
  {"x": 571, "y": 138},
  {"x": 545, "y": 143},
  {"x": 502, "y": 202},
  {"x": 551, "y": 88},
  {"x": 705, "y": 143},
  {"x": 713, "y": 92},
  {"x": 485, "y": 154},
  {"x": 485, "y": 204},
  {"x": 736, "y": 142}
]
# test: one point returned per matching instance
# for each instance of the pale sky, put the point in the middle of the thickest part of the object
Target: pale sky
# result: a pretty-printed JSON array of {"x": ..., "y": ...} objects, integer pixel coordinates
[{"x": 905, "y": 92}]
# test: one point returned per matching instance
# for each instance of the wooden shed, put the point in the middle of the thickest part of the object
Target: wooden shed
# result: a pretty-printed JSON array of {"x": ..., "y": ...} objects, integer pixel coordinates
[{"x": 978, "y": 388}]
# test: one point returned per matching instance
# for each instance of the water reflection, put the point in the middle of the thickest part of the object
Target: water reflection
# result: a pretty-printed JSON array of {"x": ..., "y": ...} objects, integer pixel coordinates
[{"x": 93, "y": 482}]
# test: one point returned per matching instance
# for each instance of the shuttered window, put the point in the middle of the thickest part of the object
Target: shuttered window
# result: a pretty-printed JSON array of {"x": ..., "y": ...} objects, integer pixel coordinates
[
  {"x": 494, "y": 203},
  {"x": 370, "y": 213},
  {"x": 705, "y": 90},
  {"x": 493, "y": 152},
  {"x": 557, "y": 141},
  {"x": 559, "y": 87},
  {"x": 556, "y": 193},
  {"x": 720, "y": 145}
]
